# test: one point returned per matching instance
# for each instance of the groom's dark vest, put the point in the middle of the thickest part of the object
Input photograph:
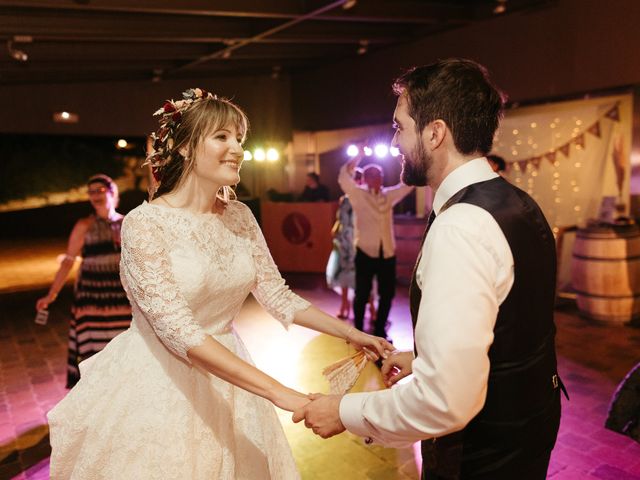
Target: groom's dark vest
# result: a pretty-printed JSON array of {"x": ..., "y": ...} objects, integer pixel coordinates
[{"x": 519, "y": 420}]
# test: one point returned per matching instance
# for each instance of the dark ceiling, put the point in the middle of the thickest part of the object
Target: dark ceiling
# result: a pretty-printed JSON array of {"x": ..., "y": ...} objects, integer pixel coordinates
[{"x": 110, "y": 40}]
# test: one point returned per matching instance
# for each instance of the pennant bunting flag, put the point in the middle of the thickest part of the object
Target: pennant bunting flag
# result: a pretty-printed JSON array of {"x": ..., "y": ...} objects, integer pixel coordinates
[
  {"x": 579, "y": 141},
  {"x": 551, "y": 156},
  {"x": 614, "y": 113},
  {"x": 536, "y": 162},
  {"x": 595, "y": 129},
  {"x": 523, "y": 165}
]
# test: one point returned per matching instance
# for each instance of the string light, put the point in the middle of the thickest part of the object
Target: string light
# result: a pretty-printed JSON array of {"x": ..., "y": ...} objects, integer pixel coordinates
[
  {"x": 272, "y": 155},
  {"x": 259, "y": 155}
]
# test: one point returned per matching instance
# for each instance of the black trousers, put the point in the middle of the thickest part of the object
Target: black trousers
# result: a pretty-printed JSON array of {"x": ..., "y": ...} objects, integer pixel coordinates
[
  {"x": 384, "y": 269},
  {"x": 519, "y": 452}
]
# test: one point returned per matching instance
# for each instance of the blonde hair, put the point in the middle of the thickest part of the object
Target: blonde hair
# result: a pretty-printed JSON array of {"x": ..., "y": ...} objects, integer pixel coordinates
[{"x": 203, "y": 117}]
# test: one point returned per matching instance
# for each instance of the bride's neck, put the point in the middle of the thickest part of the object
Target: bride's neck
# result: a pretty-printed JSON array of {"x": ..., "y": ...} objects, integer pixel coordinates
[{"x": 193, "y": 195}]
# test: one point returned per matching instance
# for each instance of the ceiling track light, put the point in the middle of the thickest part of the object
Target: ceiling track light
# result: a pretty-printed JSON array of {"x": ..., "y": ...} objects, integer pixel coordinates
[
  {"x": 363, "y": 47},
  {"x": 157, "y": 75},
  {"x": 501, "y": 7},
  {"x": 16, "y": 53}
]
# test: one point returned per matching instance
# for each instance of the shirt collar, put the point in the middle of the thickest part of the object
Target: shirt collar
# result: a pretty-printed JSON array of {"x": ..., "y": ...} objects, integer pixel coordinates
[{"x": 473, "y": 171}]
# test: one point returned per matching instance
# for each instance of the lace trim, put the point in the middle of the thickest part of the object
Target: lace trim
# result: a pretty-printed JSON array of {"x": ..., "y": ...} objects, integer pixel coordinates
[{"x": 147, "y": 276}]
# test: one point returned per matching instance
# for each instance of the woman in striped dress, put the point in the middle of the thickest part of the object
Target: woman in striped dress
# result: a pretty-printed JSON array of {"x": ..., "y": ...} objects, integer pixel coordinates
[{"x": 101, "y": 309}]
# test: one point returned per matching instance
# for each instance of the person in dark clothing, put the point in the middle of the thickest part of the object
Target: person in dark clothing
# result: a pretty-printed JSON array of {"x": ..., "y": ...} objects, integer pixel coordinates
[{"x": 314, "y": 191}]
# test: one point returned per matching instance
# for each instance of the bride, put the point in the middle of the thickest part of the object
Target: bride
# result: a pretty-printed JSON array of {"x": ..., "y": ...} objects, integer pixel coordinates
[{"x": 176, "y": 396}]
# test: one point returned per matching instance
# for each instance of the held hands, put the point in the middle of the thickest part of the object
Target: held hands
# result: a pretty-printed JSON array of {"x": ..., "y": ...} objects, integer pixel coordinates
[
  {"x": 321, "y": 415},
  {"x": 396, "y": 367},
  {"x": 374, "y": 347}
]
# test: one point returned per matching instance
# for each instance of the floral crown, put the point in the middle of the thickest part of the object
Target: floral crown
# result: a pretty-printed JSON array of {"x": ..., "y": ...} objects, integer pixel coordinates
[{"x": 170, "y": 117}]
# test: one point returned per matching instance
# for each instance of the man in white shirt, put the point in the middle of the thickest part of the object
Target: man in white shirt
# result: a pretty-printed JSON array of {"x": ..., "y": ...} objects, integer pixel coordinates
[
  {"x": 484, "y": 395},
  {"x": 374, "y": 239}
]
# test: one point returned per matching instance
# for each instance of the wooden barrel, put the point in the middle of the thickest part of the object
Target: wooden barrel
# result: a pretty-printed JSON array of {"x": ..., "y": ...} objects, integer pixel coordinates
[{"x": 605, "y": 271}]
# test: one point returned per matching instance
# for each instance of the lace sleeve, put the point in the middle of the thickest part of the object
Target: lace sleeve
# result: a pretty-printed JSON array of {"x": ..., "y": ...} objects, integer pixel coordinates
[
  {"x": 270, "y": 288},
  {"x": 146, "y": 270}
]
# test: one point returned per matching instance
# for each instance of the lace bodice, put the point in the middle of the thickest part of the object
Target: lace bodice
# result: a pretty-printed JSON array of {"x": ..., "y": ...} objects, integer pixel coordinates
[{"x": 187, "y": 275}]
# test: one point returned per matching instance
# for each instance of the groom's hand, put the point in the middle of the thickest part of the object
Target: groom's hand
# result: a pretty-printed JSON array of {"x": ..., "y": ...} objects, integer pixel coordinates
[{"x": 322, "y": 415}]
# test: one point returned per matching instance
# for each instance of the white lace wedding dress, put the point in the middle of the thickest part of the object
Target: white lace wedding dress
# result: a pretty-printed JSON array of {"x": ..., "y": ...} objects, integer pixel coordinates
[{"x": 141, "y": 410}]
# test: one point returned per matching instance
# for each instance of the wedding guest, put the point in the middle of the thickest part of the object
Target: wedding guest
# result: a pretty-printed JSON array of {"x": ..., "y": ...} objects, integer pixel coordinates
[
  {"x": 314, "y": 191},
  {"x": 374, "y": 239},
  {"x": 100, "y": 307}
]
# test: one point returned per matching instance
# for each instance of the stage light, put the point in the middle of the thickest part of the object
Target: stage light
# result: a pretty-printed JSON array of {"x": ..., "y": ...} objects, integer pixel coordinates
[
  {"x": 352, "y": 150},
  {"x": 259, "y": 155},
  {"x": 122, "y": 143},
  {"x": 247, "y": 155},
  {"x": 272, "y": 155},
  {"x": 395, "y": 151},
  {"x": 367, "y": 151},
  {"x": 381, "y": 150}
]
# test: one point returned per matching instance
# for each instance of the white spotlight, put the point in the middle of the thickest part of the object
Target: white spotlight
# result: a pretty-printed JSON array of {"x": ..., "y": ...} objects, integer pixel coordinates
[
  {"x": 247, "y": 155},
  {"x": 273, "y": 155},
  {"x": 352, "y": 150},
  {"x": 259, "y": 155},
  {"x": 65, "y": 117},
  {"x": 381, "y": 150},
  {"x": 122, "y": 143},
  {"x": 395, "y": 151},
  {"x": 367, "y": 151}
]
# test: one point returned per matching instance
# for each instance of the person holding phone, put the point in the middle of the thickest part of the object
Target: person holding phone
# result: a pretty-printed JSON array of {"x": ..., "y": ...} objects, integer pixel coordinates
[{"x": 100, "y": 309}]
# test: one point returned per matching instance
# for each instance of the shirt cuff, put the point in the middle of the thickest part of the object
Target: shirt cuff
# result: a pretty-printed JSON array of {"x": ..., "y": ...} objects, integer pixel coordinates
[{"x": 351, "y": 408}]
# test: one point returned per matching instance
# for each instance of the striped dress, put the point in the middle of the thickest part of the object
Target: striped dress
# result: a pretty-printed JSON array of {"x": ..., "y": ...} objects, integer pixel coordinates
[{"x": 101, "y": 309}]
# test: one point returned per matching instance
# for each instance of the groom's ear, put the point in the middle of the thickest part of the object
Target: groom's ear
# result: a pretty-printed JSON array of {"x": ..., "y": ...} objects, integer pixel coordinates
[{"x": 434, "y": 134}]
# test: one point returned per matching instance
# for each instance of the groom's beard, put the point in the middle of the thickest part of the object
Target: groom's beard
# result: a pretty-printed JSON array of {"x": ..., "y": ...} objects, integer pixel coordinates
[{"x": 415, "y": 166}]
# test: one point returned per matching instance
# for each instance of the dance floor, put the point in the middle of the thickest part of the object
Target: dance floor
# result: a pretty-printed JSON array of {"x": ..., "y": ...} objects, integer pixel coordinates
[{"x": 593, "y": 359}]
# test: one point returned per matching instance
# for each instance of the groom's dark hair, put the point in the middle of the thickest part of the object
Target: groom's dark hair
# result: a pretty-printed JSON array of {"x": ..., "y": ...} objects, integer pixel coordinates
[{"x": 459, "y": 92}]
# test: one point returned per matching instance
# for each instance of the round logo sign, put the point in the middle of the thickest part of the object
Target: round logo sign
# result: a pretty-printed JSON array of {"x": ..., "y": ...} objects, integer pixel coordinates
[{"x": 296, "y": 228}]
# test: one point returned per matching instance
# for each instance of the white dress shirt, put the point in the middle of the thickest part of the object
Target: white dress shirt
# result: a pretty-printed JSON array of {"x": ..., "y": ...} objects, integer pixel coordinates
[
  {"x": 465, "y": 273},
  {"x": 372, "y": 214}
]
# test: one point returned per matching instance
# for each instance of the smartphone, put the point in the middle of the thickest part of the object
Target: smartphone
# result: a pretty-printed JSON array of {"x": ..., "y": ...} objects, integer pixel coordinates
[{"x": 42, "y": 316}]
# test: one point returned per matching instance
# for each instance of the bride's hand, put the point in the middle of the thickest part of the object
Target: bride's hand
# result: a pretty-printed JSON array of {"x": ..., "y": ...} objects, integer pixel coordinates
[{"x": 373, "y": 347}]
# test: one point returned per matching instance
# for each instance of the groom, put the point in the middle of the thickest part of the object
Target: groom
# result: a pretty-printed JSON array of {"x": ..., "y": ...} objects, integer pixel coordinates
[{"x": 484, "y": 396}]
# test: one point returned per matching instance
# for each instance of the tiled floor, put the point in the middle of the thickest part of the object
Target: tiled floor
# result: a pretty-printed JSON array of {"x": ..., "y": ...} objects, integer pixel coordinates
[{"x": 593, "y": 359}]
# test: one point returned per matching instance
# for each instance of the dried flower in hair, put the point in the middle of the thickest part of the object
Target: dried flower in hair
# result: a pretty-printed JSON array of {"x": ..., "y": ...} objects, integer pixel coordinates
[{"x": 170, "y": 114}]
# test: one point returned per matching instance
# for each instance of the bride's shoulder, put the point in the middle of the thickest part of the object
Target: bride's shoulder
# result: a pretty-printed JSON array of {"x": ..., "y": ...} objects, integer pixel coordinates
[
  {"x": 237, "y": 208},
  {"x": 143, "y": 213}
]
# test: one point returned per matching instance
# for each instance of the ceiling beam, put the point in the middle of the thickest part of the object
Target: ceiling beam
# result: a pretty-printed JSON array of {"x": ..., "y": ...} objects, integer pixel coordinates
[{"x": 369, "y": 13}]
